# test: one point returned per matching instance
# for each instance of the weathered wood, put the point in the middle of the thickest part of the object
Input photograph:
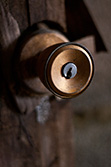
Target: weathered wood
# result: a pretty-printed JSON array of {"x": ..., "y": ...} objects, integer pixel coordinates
[
  {"x": 25, "y": 139},
  {"x": 37, "y": 10},
  {"x": 19, "y": 10},
  {"x": 10, "y": 148},
  {"x": 9, "y": 33},
  {"x": 47, "y": 10},
  {"x": 80, "y": 23},
  {"x": 56, "y": 137},
  {"x": 56, "y": 12},
  {"x": 15, "y": 149}
]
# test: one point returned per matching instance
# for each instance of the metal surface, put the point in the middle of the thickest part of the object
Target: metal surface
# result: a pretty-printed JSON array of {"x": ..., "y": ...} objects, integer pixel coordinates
[
  {"x": 65, "y": 68},
  {"x": 26, "y": 69},
  {"x": 69, "y": 70},
  {"x": 57, "y": 57}
]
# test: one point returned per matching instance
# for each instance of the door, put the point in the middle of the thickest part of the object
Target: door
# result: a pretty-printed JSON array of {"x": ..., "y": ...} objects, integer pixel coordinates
[{"x": 38, "y": 130}]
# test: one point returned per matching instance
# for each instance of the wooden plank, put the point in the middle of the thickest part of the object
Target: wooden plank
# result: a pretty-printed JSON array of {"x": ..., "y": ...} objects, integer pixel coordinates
[
  {"x": 101, "y": 14},
  {"x": 19, "y": 10},
  {"x": 14, "y": 19},
  {"x": 65, "y": 129},
  {"x": 80, "y": 23},
  {"x": 47, "y": 10},
  {"x": 56, "y": 136},
  {"x": 56, "y": 12},
  {"x": 12, "y": 150},
  {"x": 15, "y": 149},
  {"x": 9, "y": 33},
  {"x": 37, "y": 10}
]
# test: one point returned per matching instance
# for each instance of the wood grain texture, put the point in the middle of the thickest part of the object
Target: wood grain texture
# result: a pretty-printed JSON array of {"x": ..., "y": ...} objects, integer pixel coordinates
[
  {"x": 9, "y": 33},
  {"x": 56, "y": 137},
  {"x": 56, "y": 12},
  {"x": 18, "y": 9},
  {"x": 15, "y": 149},
  {"x": 47, "y": 10},
  {"x": 37, "y": 10}
]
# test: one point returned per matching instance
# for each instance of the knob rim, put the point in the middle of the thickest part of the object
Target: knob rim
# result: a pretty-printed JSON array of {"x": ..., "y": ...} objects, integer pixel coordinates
[{"x": 51, "y": 86}]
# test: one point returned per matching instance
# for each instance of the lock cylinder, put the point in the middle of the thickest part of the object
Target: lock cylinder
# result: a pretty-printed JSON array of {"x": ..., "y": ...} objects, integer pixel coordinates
[{"x": 66, "y": 69}]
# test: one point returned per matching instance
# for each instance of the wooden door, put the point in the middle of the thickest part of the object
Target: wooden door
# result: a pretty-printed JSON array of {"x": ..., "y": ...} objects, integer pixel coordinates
[{"x": 36, "y": 131}]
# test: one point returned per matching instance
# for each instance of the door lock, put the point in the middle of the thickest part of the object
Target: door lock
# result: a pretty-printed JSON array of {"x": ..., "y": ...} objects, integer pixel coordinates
[{"x": 65, "y": 68}]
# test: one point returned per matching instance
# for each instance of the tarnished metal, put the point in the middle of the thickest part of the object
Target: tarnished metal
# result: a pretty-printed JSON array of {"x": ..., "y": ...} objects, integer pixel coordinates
[
  {"x": 65, "y": 68},
  {"x": 50, "y": 73},
  {"x": 26, "y": 66}
]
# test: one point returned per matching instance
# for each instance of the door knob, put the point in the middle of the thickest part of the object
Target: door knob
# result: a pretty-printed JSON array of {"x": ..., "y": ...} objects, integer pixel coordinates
[{"x": 65, "y": 68}]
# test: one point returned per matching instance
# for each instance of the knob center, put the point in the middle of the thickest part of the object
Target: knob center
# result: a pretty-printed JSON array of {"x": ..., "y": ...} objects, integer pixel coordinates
[{"x": 69, "y": 70}]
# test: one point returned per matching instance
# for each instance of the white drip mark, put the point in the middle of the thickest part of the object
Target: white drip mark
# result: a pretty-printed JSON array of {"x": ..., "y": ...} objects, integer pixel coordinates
[{"x": 43, "y": 110}]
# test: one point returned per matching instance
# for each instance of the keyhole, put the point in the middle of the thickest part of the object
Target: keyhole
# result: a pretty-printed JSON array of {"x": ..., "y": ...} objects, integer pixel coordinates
[
  {"x": 69, "y": 70},
  {"x": 69, "y": 73}
]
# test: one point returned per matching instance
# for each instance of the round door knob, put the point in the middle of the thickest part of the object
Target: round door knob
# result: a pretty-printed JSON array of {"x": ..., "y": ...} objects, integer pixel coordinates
[{"x": 65, "y": 68}]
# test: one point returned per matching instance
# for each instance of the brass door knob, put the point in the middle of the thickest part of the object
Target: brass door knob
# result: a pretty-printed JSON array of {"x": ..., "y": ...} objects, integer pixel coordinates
[{"x": 65, "y": 68}]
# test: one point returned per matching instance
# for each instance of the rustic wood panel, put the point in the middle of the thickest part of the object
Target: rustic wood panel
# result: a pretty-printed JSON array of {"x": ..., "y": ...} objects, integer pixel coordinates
[
  {"x": 24, "y": 139},
  {"x": 19, "y": 10},
  {"x": 9, "y": 33},
  {"x": 47, "y": 10},
  {"x": 56, "y": 136},
  {"x": 56, "y": 12},
  {"x": 15, "y": 149},
  {"x": 37, "y": 10}
]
